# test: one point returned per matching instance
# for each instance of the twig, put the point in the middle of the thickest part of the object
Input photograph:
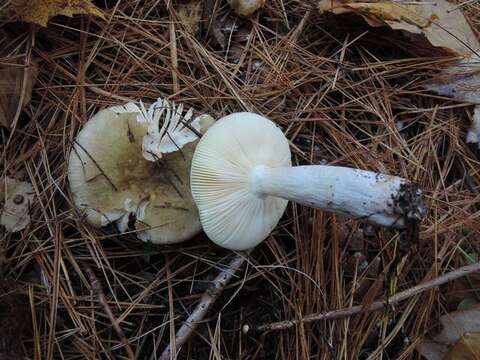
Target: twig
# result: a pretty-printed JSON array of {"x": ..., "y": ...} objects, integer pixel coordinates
[
  {"x": 375, "y": 306},
  {"x": 97, "y": 287},
  {"x": 207, "y": 300}
]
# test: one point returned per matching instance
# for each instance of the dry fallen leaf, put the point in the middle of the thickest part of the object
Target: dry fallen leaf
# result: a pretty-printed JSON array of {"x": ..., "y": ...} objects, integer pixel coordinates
[
  {"x": 377, "y": 14},
  {"x": 190, "y": 13},
  {"x": 40, "y": 11},
  {"x": 444, "y": 26},
  {"x": 16, "y": 84},
  {"x": 441, "y": 22},
  {"x": 16, "y": 196},
  {"x": 467, "y": 348},
  {"x": 459, "y": 338},
  {"x": 461, "y": 80}
]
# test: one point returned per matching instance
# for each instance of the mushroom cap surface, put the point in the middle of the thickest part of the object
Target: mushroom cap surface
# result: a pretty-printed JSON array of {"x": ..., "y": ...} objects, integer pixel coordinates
[
  {"x": 232, "y": 215},
  {"x": 110, "y": 179}
]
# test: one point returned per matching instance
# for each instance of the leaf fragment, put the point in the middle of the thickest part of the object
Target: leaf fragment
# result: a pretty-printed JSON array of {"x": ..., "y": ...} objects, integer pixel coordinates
[
  {"x": 17, "y": 197},
  {"x": 459, "y": 338},
  {"x": 190, "y": 13},
  {"x": 41, "y": 11},
  {"x": 467, "y": 348},
  {"x": 441, "y": 22},
  {"x": 16, "y": 85},
  {"x": 473, "y": 135},
  {"x": 461, "y": 81}
]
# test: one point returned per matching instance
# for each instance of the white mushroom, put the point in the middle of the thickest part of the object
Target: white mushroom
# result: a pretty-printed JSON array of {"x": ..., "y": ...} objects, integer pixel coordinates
[
  {"x": 242, "y": 178},
  {"x": 110, "y": 178}
]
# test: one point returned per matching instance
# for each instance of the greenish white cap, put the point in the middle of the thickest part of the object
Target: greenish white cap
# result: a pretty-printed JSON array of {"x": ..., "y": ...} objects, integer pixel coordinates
[{"x": 111, "y": 178}]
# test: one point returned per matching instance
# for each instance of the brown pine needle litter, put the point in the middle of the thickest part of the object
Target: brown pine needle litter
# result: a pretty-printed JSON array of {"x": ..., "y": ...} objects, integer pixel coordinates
[{"x": 344, "y": 94}]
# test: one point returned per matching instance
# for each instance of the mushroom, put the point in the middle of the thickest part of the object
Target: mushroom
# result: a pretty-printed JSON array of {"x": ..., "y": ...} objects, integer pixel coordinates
[
  {"x": 112, "y": 174},
  {"x": 242, "y": 179}
]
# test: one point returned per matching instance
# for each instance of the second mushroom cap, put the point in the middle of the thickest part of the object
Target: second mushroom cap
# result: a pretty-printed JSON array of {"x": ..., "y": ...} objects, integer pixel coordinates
[{"x": 111, "y": 180}]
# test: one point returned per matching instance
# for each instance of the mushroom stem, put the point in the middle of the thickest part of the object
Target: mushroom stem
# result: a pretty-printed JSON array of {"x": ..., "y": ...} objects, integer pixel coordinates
[{"x": 380, "y": 199}]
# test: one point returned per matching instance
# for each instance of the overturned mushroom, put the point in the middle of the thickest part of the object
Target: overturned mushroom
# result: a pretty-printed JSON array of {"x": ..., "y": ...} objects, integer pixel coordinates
[
  {"x": 122, "y": 166},
  {"x": 242, "y": 179}
]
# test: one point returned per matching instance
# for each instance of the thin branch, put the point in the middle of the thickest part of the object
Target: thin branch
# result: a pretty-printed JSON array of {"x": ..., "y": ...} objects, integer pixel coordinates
[
  {"x": 207, "y": 300},
  {"x": 375, "y": 306},
  {"x": 97, "y": 287}
]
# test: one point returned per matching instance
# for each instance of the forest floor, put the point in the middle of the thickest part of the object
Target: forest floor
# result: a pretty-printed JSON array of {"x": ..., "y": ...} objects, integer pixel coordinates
[{"x": 343, "y": 92}]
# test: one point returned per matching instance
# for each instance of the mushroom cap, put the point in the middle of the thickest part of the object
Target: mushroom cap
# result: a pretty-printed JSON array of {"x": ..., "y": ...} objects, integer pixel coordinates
[
  {"x": 232, "y": 215},
  {"x": 158, "y": 193}
]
